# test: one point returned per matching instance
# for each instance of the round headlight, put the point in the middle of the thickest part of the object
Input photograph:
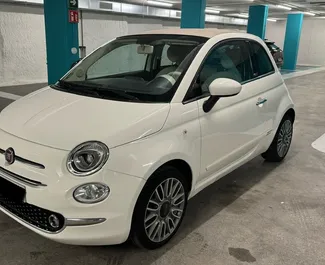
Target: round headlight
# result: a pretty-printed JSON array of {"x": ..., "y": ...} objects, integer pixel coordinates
[
  {"x": 91, "y": 193},
  {"x": 87, "y": 158}
]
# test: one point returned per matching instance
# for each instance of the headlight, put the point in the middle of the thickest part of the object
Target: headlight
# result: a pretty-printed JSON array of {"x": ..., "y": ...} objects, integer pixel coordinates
[
  {"x": 91, "y": 193},
  {"x": 87, "y": 158}
]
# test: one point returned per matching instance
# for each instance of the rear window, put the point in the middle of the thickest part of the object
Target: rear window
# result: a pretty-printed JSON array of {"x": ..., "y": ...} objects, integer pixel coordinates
[{"x": 262, "y": 64}]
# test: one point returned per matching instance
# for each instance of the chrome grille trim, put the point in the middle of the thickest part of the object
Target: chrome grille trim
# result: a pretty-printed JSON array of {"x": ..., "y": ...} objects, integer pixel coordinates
[
  {"x": 25, "y": 161},
  {"x": 19, "y": 180}
]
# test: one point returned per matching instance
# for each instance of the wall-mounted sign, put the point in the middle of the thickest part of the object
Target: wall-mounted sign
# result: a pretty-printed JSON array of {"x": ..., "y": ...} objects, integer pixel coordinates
[
  {"x": 73, "y": 16},
  {"x": 73, "y": 4}
]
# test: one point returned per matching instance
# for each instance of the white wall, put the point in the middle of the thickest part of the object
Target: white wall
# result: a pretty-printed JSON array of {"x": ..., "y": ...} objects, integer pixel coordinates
[
  {"x": 312, "y": 41},
  {"x": 22, "y": 38},
  {"x": 22, "y": 45}
]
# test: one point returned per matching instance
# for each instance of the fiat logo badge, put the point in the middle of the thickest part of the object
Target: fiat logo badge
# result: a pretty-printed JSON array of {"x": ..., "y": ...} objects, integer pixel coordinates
[{"x": 10, "y": 155}]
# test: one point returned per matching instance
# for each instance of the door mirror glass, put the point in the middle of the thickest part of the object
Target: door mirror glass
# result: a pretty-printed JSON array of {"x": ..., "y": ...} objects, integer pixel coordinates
[{"x": 224, "y": 87}]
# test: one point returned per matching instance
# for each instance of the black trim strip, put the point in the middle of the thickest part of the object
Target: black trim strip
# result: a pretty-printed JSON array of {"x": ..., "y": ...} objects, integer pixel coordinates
[
  {"x": 9, "y": 175},
  {"x": 25, "y": 161}
]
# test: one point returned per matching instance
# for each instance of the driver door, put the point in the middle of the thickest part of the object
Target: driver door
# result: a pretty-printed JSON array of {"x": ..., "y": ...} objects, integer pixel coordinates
[{"x": 231, "y": 130}]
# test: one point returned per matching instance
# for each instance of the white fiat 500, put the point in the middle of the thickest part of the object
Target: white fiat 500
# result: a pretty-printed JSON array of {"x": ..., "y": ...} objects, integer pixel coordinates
[{"x": 116, "y": 148}]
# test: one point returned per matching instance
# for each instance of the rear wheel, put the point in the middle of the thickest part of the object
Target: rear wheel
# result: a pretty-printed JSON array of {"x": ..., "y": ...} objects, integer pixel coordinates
[
  {"x": 281, "y": 142},
  {"x": 160, "y": 209}
]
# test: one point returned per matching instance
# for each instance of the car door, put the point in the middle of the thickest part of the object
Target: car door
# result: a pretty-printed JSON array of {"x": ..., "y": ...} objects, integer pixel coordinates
[
  {"x": 267, "y": 84},
  {"x": 232, "y": 129}
]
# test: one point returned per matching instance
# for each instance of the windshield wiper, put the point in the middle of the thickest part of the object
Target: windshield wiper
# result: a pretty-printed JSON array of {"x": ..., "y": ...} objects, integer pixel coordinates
[{"x": 97, "y": 89}]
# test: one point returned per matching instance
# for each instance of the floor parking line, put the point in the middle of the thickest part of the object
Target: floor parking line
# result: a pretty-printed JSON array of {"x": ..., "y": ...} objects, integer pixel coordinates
[
  {"x": 9, "y": 96},
  {"x": 319, "y": 144}
]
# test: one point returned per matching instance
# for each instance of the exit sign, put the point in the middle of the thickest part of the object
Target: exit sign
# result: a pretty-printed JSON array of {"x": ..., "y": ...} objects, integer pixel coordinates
[
  {"x": 73, "y": 4},
  {"x": 73, "y": 16}
]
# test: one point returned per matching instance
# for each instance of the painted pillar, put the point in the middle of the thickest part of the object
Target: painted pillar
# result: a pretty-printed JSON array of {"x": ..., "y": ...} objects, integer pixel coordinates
[
  {"x": 257, "y": 20},
  {"x": 193, "y": 13},
  {"x": 291, "y": 40},
  {"x": 62, "y": 43}
]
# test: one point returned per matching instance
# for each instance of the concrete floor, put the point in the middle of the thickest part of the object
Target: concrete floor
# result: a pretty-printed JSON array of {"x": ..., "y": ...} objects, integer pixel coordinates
[{"x": 262, "y": 213}]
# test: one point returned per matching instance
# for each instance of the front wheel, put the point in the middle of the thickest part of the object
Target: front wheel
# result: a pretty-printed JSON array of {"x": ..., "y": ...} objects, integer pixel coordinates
[
  {"x": 281, "y": 142},
  {"x": 160, "y": 209}
]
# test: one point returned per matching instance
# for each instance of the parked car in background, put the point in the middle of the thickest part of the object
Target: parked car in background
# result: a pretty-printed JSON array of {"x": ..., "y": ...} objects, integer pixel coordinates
[
  {"x": 116, "y": 148},
  {"x": 276, "y": 52}
]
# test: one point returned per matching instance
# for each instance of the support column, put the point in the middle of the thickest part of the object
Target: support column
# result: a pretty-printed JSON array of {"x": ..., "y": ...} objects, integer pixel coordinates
[
  {"x": 193, "y": 13},
  {"x": 257, "y": 20},
  {"x": 292, "y": 40},
  {"x": 62, "y": 43}
]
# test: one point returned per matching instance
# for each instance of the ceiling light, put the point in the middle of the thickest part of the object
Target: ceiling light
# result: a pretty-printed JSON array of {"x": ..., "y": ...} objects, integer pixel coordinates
[
  {"x": 283, "y": 7},
  {"x": 271, "y": 19},
  {"x": 157, "y": 3},
  {"x": 309, "y": 13},
  {"x": 212, "y": 11},
  {"x": 242, "y": 15}
]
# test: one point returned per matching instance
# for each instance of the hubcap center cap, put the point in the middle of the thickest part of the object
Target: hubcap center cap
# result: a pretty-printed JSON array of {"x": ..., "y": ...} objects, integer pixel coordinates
[{"x": 165, "y": 209}]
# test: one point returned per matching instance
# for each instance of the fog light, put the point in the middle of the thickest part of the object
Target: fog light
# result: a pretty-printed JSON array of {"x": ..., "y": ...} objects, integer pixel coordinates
[
  {"x": 54, "y": 221},
  {"x": 91, "y": 193}
]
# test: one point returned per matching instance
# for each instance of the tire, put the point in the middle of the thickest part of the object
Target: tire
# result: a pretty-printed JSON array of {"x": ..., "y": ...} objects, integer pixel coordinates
[
  {"x": 281, "y": 142},
  {"x": 154, "y": 224}
]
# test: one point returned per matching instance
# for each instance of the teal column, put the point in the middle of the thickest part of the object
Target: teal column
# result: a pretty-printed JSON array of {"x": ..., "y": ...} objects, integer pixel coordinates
[
  {"x": 257, "y": 20},
  {"x": 291, "y": 40},
  {"x": 62, "y": 43},
  {"x": 193, "y": 13}
]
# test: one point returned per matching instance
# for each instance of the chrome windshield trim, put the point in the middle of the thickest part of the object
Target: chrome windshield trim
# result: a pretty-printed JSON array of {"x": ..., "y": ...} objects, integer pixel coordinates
[
  {"x": 19, "y": 180},
  {"x": 83, "y": 221}
]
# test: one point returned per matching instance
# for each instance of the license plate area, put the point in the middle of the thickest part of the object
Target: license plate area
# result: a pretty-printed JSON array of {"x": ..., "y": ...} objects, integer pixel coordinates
[{"x": 11, "y": 191}]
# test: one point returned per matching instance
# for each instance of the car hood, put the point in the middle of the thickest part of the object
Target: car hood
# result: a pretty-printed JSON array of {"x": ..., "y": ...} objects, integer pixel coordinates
[{"x": 64, "y": 120}]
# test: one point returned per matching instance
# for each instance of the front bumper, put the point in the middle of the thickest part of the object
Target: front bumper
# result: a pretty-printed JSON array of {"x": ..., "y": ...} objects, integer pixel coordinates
[{"x": 104, "y": 223}]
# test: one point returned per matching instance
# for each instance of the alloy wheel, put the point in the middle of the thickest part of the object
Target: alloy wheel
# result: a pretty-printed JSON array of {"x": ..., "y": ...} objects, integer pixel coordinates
[
  {"x": 284, "y": 138},
  {"x": 164, "y": 210}
]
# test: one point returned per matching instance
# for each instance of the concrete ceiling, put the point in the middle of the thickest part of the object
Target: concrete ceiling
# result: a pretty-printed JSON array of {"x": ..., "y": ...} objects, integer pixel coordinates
[{"x": 234, "y": 7}]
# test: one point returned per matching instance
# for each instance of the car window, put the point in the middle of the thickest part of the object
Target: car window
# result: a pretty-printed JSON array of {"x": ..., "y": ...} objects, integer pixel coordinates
[
  {"x": 262, "y": 64},
  {"x": 125, "y": 60},
  {"x": 228, "y": 60},
  {"x": 164, "y": 58}
]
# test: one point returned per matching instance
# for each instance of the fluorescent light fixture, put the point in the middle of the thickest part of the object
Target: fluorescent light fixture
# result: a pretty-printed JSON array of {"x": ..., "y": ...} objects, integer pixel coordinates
[
  {"x": 271, "y": 19},
  {"x": 310, "y": 13},
  {"x": 158, "y": 3},
  {"x": 283, "y": 7},
  {"x": 242, "y": 15},
  {"x": 212, "y": 11}
]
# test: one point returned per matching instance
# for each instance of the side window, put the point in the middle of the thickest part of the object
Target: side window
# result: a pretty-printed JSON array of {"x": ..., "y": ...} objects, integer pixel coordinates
[
  {"x": 130, "y": 61},
  {"x": 261, "y": 62},
  {"x": 228, "y": 60}
]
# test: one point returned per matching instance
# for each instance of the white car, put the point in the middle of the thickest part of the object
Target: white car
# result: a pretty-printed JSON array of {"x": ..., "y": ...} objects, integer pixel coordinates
[{"x": 116, "y": 148}]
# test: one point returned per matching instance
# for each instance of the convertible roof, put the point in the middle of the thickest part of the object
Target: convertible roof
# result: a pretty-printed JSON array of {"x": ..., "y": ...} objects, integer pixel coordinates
[{"x": 207, "y": 33}]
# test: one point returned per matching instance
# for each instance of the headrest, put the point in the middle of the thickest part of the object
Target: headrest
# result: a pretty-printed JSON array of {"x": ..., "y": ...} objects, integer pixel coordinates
[{"x": 177, "y": 53}]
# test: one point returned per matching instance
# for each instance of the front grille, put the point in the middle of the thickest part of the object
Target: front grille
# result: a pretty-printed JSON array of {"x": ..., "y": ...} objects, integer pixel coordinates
[
  {"x": 25, "y": 161},
  {"x": 12, "y": 199}
]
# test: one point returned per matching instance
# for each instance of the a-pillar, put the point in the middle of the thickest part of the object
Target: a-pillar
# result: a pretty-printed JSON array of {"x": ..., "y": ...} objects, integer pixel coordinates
[
  {"x": 257, "y": 20},
  {"x": 292, "y": 40},
  {"x": 193, "y": 14},
  {"x": 62, "y": 44}
]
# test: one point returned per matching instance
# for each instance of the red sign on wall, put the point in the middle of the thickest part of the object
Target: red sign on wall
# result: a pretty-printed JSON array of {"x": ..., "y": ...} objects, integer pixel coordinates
[{"x": 73, "y": 16}]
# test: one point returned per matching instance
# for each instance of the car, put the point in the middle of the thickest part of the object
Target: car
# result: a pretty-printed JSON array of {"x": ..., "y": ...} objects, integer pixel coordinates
[
  {"x": 276, "y": 52},
  {"x": 116, "y": 148}
]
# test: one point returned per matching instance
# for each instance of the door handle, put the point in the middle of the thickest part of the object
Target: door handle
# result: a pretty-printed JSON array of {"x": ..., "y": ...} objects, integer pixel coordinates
[{"x": 261, "y": 101}]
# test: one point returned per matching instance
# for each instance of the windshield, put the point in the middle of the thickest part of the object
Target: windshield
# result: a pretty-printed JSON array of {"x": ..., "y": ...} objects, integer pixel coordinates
[{"x": 145, "y": 68}]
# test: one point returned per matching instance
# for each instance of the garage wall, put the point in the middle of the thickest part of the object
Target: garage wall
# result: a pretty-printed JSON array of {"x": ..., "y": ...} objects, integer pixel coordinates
[
  {"x": 312, "y": 42},
  {"x": 22, "y": 38},
  {"x": 22, "y": 45}
]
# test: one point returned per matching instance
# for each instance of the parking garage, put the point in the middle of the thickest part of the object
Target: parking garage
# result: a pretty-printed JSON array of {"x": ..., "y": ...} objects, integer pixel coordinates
[{"x": 260, "y": 212}]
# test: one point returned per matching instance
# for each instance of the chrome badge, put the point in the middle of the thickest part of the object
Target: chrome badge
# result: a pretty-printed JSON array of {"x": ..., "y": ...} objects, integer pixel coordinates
[{"x": 10, "y": 155}]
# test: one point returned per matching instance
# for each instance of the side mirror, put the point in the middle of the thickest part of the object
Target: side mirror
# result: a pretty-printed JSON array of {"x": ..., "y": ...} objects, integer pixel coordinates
[{"x": 221, "y": 87}]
